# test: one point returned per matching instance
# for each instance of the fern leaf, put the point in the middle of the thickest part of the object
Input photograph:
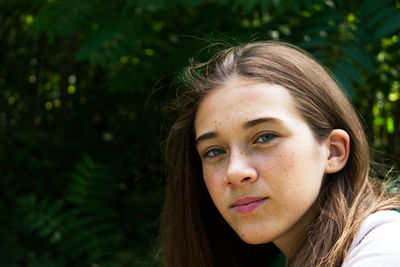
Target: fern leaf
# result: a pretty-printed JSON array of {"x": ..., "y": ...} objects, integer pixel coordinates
[
  {"x": 361, "y": 57},
  {"x": 370, "y": 7},
  {"x": 351, "y": 72},
  {"x": 379, "y": 16},
  {"x": 389, "y": 26},
  {"x": 346, "y": 83}
]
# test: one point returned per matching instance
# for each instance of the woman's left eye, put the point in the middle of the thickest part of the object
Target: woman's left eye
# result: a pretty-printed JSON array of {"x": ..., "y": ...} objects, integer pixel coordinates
[{"x": 265, "y": 138}]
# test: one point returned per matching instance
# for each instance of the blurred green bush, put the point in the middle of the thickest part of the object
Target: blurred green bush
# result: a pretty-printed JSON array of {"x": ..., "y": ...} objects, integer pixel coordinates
[{"x": 84, "y": 86}]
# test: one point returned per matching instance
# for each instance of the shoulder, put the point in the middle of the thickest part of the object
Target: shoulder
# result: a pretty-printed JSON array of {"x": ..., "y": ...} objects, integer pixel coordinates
[{"x": 377, "y": 243}]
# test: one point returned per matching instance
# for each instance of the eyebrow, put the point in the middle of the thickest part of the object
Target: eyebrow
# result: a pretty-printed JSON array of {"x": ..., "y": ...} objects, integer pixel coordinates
[
  {"x": 255, "y": 122},
  {"x": 246, "y": 125},
  {"x": 206, "y": 136}
]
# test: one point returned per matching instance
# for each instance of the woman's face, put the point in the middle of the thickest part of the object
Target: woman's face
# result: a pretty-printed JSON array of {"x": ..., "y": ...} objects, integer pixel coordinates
[{"x": 261, "y": 164}]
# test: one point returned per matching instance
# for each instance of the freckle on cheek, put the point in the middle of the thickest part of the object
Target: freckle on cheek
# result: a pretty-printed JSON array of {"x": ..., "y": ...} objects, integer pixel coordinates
[{"x": 285, "y": 160}]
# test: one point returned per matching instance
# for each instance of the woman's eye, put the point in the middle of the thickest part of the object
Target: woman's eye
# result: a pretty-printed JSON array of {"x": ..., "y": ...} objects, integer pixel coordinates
[
  {"x": 265, "y": 138},
  {"x": 213, "y": 153}
]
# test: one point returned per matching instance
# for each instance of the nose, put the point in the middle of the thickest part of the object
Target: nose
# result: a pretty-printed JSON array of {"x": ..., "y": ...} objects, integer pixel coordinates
[{"x": 240, "y": 170}]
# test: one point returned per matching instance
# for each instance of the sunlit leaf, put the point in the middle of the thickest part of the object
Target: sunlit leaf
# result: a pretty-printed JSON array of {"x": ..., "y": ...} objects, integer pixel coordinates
[
  {"x": 378, "y": 121},
  {"x": 390, "y": 124}
]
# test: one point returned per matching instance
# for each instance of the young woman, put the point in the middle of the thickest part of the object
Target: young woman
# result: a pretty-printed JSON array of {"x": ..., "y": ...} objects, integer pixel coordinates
[{"x": 268, "y": 156}]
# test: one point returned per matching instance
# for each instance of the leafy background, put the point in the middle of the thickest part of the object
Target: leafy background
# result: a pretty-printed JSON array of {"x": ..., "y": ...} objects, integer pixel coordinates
[{"x": 83, "y": 115}]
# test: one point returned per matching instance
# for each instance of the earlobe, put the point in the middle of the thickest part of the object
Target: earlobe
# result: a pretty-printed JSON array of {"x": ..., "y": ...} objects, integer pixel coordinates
[{"x": 338, "y": 143}]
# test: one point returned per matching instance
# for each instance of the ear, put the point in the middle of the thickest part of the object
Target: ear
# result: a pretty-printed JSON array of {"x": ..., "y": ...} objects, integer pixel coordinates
[{"x": 338, "y": 143}]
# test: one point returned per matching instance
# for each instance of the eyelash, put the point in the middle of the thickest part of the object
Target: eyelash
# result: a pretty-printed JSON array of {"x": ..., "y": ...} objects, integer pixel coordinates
[
  {"x": 214, "y": 150},
  {"x": 207, "y": 153},
  {"x": 270, "y": 135}
]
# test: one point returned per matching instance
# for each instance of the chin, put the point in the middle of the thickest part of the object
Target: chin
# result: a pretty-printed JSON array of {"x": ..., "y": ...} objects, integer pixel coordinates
[{"x": 254, "y": 239}]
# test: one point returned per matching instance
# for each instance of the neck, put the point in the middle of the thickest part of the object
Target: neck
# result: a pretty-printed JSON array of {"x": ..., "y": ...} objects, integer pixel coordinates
[{"x": 290, "y": 242}]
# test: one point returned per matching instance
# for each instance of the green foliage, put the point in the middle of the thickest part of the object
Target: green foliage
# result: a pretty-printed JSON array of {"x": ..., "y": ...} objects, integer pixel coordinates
[
  {"x": 81, "y": 226},
  {"x": 83, "y": 117}
]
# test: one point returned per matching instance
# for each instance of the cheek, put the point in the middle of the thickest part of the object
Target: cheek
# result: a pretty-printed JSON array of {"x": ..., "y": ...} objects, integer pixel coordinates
[
  {"x": 278, "y": 165},
  {"x": 213, "y": 178},
  {"x": 293, "y": 173},
  {"x": 209, "y": 175}
]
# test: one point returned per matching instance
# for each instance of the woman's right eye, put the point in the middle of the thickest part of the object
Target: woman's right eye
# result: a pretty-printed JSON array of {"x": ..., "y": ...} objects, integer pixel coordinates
[{"x": 212, "y": 153}]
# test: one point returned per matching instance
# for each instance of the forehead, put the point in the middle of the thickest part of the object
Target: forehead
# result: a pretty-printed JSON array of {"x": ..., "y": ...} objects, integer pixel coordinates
[{"x": 241, "y": 101}]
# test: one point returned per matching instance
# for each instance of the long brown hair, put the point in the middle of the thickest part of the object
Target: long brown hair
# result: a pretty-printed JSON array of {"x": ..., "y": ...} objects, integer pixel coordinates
[{"x": 193, "y": 232}]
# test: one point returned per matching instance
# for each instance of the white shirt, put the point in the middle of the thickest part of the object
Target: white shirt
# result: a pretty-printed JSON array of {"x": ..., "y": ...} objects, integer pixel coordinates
[{"x": 377, "y": 243}]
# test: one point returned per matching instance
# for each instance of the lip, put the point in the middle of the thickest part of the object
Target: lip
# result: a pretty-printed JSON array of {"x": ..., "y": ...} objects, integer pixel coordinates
[{"x": 247, "y": 204}]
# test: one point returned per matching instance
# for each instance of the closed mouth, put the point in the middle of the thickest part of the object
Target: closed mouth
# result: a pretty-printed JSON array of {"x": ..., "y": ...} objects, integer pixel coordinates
[{"x": 247, "y": 204}]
